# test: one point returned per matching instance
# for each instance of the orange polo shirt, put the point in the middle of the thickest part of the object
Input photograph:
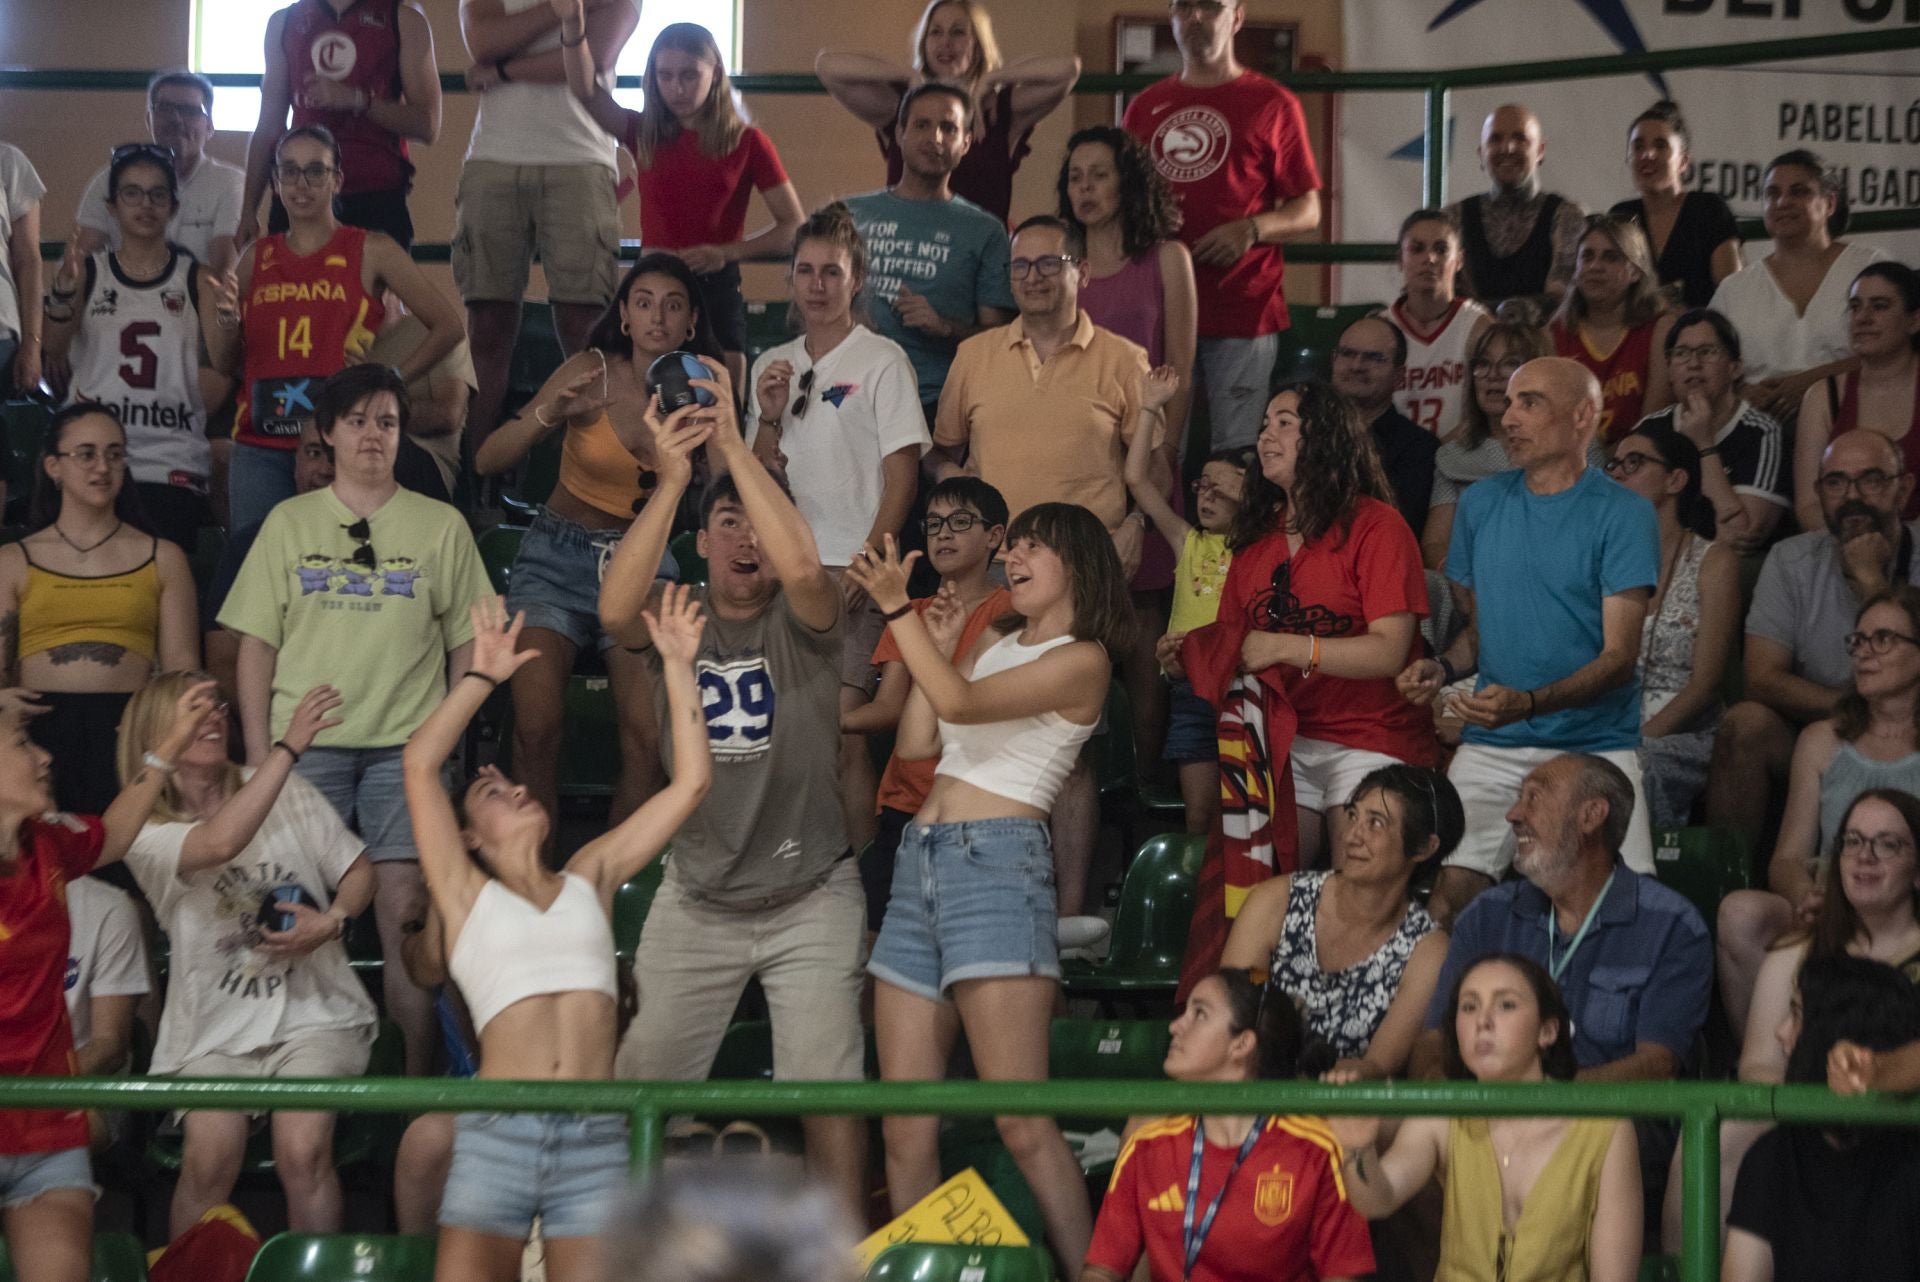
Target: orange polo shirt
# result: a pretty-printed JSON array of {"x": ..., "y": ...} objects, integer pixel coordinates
[{"x": 1053, "y": 432}]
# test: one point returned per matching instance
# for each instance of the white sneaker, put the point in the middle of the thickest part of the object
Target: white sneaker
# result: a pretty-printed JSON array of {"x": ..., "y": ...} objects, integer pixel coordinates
[{"x": 1078, "y": 933}]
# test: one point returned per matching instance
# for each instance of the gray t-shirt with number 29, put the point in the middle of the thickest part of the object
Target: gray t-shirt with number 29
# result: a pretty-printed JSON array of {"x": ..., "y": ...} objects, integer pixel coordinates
[{"x": 771, "y": 828}]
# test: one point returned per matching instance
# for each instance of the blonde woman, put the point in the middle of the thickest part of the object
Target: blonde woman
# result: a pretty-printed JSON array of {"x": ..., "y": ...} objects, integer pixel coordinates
[
  {"x": 1615, "y": 322},
  {"x": 954, "y": 44}
]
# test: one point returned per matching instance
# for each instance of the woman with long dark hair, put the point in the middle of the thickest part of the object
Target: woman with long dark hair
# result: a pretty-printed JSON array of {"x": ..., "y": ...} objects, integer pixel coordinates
[
  {"x": 95, "y": 603},
  {"x": 1007, "y": 721},
  {"x": 1691, "y": 621},
  {"x": 1872, "y": 740},
  {"x": 1526, "y": 1197},
  {"x": 597, "y": 401},
  {"x": 1883, "y": 395},
  {"x": 1442, "y": 328},
  {"x": 1790, "y": 305},
  {"x": 1327, "y": 590},
  {"x": 1231, "y": 1030},
  {"x": 1692, "y": 234}
]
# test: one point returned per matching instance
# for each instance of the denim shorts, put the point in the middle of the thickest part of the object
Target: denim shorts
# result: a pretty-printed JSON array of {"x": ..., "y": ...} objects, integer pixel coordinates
[
  {"x": 970, "y": 901},
  {"x": 1191, "y": 732},
  {"x": 556, "y": 578},
  {"x": 366, "y": 791},
  {"x": 25, "y": 1176},
  {"x": 509, "y": 1167}
]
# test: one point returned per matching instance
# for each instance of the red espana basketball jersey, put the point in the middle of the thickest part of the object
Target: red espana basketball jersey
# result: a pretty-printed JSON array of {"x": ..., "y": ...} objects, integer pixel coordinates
[{"x": 301, "y": 318}]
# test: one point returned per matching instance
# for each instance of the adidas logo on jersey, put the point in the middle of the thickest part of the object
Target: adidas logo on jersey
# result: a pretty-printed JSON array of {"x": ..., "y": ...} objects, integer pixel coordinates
[{"x": 1171, "y": 1200}]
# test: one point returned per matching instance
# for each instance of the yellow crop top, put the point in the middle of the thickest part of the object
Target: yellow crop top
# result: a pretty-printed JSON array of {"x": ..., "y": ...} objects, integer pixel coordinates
[
  {"x": 595, "y": 466},
  {"x": 120, "y": 609}
]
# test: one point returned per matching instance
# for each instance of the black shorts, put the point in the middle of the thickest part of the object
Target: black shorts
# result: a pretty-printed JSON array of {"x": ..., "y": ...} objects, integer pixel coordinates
[
  {"x": 382, "y": 211},
  {"x": 175, "y": 513},
  {"x": 725, "y": 307}
]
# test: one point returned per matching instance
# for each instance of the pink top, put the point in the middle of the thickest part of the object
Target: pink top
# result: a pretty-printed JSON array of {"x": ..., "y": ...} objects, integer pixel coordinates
[{"x": 1132, "y": 303}]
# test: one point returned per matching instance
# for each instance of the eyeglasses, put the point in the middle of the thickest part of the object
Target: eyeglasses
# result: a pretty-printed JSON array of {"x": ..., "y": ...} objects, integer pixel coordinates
[
  {"x": 958, "y": 522},
  {"x": 1207, "y": 485},
  {"x": 1630, "y": 463},
  {"x": 315, "y": 175},
  {"x": 88, "y": 455},
  {"x": 1504, "y": 369},
  {"x": 1884, "y": 845},
  {"x": 805, "y": 398},
  {"x": 1199, "y": 8},
  {"x": 1880, "y": 641},
  {"x": 178, "y": 110},
  {"x": 1048, "y": 265},
  {"x": 1379, "y": 360},
  {"x": 155, "y": 196},
  {"x": 1699, "y": 352},
  {"x": 1871, "y": 484},
  {"x": 363, "y": 556},
  {"x": 142, "y": 151}
]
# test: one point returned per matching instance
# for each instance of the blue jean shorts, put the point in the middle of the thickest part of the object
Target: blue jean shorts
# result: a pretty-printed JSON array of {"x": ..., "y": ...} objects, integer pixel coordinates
[
  {"x": 970, "y": 901},
  {"x": 1191, "y": 733},
  {"x": 25, "y": 1176},
  {"x": 509, "y": 1167},
  {"x": 366, "y": 791},
  {"x": 555, "y": 578}
]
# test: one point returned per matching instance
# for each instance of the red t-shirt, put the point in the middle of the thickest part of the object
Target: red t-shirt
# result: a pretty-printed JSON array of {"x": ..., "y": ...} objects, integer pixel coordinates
[
  {"x": 1285, "y": 1216},
  {"x": 688, "y": 198},
  {"x": 1622, "y": 373},
  {"x": 301, "y": 316},
  {"x": 1335, "y": 587},
  {"x": 904, "y": 785},
  {"x": 1230, "y": 151},
  {"x": 361, "y": 49},
  {"x": 35, "y": 1038}
]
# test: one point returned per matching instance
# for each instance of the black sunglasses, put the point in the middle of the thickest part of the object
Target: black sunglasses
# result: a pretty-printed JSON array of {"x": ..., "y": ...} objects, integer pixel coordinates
[
  {"x": 144, "y": 151},
  {"x": 363, "y": 556},
  {"x": 806, "y": 392}
]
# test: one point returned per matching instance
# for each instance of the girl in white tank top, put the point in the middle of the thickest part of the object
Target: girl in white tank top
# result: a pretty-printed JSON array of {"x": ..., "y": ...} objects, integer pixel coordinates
[
  {"x": 969, "y": 936},
  {"x": 532, "y": 952}
]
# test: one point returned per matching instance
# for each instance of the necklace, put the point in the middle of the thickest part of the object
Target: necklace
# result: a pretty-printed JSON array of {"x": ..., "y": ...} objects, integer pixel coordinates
[{"x": 91, "y": 546}]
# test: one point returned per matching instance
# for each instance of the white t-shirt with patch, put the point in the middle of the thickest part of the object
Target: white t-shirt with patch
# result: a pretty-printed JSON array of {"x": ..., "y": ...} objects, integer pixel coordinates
[
  {"x": 107, "y": 957},
  {"x": 223, "y": 994}
]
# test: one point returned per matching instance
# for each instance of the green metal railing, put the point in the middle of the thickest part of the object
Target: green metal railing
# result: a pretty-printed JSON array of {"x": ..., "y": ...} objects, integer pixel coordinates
[
  {"x": 1700, "y": 1107},
  {"x": 1437, "y": 87}
]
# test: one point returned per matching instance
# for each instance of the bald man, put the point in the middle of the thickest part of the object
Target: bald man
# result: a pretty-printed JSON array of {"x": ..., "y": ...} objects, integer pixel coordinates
[
  {"x": 1552, "y": 565},
  {"x": 1519, "y": 241}
]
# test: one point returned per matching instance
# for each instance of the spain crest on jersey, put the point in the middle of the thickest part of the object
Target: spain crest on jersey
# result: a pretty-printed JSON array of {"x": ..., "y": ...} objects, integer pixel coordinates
[{"x": 1273, "y": 1197}]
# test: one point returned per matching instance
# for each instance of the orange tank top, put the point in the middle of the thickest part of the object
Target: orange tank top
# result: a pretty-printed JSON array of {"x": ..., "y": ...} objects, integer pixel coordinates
[
  {"x": 596, "y": 467},
  {"x": 1623, "y": 374},
  {"x": 301, "y": 317}
]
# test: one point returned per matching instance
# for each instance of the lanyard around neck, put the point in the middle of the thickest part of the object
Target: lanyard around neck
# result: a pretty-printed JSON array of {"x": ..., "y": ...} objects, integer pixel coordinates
[
  {"x": 1190, "y": 1239},
  {"x": 1558, "y": 968}
]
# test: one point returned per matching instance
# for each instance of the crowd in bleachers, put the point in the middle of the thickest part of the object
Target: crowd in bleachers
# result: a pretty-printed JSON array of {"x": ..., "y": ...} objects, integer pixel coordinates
[{"x": 1454, "y": 645}]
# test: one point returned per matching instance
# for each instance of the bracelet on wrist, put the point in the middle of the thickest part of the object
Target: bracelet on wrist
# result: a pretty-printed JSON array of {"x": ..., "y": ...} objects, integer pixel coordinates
[
  {"x": 1532, "y": 703},
  {"x": 500, "y": 69},
  {"x": 282, "y": 743},
  {"x": 492, "y": 681},
  {"x": 1710, "y": 451},
  {"x": 541, "y": 419},
  {"x": 1447, "y": 675},
  {"x": 576, "y": 42},
  {"x": 900, "y": 613},
  {"x": 158, "y": 762}
]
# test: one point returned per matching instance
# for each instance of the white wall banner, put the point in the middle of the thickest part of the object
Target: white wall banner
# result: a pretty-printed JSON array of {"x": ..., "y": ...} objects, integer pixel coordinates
[{"x": 1861, "y": 114}]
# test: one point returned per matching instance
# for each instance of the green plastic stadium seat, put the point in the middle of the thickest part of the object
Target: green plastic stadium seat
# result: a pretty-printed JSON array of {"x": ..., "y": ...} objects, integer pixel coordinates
[
  {"x": 499, "y": 544},
  {"x": 117, "y": 1257},
  {"x": 343, "y": 1257},
  {"x": 1660, "y": 1268},
  {"x": 942, "y": 1262},
  {"x": 26, "y": 425},
  {"x": 1704, "y": 864},
  {"x": 1150, "y": 930},
  {"x": 590, "y": 746},
  {"x": 685, "y": 548},
  {"x": 630, "y": 905}
]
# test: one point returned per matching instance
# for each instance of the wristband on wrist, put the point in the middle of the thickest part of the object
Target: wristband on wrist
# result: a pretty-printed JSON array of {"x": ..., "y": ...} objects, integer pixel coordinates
[
  {"x": 576, "y": 42},
  {"x": 1447, "y": 675},
  {"x": 1710, "y": 451},
  {"x": 900, "y": 613},
  {"x": 500, "y": 68},
  {"x": 282, "y": 743},
  {"x": 158, "y": 762},
  {"x": 1531, "y": 704},
  {"x": 1313, "y": 657},
  {"x": 492, "y": 681},
  {"x": 766, "y": 422}
]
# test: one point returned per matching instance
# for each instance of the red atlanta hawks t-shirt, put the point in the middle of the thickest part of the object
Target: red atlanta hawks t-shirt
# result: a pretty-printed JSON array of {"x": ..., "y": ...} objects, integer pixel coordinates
[
  {"x": 35, "y": 1038},
  {"x": 1285, "y": 1216},
  {"x": 1230, "y": 151}
]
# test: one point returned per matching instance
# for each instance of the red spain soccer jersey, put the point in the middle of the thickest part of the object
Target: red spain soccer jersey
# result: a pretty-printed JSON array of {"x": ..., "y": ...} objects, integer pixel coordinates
[
  {"x": 1285, "y": 1216},
  {"x": 35, "y": 1038},
  {"x": 301, "y": 316}
]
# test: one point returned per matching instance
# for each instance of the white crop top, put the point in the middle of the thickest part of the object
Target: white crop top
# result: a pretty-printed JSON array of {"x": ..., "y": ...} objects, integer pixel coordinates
[
  {"x": 1025, "y": 759},
  {"x": 510, "y": 950}
]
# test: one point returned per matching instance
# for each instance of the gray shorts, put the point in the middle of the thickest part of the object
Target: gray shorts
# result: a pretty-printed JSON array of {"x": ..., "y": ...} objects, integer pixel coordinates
[{"x": 26, "y": 1176}]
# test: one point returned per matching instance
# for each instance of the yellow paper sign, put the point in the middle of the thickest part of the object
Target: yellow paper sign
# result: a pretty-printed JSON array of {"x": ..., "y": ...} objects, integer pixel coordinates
[{"x": 963, "y": 1210}]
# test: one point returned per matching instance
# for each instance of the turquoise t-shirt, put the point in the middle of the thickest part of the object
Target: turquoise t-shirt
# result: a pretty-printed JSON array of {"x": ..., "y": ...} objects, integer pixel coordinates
[
  {"x": 1539, "y": 567},
  {"x": 953, "y": 253}
]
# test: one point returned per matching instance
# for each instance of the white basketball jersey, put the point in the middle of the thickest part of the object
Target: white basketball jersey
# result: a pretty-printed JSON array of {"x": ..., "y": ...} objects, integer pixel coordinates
[
  {"x": 1433, "y": 391},
  {"x": 138, "y": 350}
]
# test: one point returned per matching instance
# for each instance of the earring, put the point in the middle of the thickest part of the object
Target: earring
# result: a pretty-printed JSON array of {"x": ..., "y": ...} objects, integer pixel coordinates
[{"x": 626, "y": 328}]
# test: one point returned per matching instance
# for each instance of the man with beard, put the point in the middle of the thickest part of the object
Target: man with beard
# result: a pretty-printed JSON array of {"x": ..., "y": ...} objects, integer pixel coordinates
[
  {"x": 1552, "y": 564},
  {"x": 1519, "y": 240},
  {"x": 936, "y": 264},
  {"x": 1631, "y": 956},
  {"x": 1369, "y": 361},
  {"x": 1809, "y": 591}
]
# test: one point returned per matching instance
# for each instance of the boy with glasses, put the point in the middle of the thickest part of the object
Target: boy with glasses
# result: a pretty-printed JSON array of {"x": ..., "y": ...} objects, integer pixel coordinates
[
  {"x": 1742, "y": 472},
  {"x": 180, "y": 120}
]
